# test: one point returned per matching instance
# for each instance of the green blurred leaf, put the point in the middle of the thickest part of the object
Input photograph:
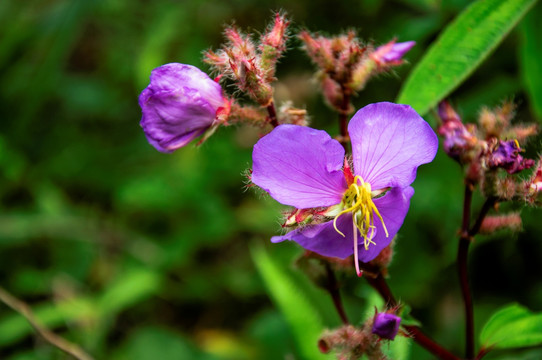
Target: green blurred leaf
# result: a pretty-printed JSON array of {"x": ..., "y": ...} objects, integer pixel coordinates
[
  {"x": 14, "y": 327},
  {"x": 304, "y": 320},
  {"x": 459, "y": 50},
  {"x": 530, "y": 55},
  {"x": 164, "y": 29},
  {"x": 512, "y": 326},
  {"x": 398, "y": 349},
  {"x": 151, "y": 343},
  {"x": 130, "y": 288}
]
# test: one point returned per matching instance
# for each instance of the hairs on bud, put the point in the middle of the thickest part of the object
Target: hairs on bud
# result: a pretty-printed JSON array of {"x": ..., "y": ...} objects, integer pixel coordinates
[
  {"x": 292, "y": 115},
  {"x": 495, "y": 122}
]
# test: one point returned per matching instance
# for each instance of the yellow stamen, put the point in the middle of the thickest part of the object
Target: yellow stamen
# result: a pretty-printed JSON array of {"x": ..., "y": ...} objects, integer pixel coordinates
[{"x": 358, "y": 201}]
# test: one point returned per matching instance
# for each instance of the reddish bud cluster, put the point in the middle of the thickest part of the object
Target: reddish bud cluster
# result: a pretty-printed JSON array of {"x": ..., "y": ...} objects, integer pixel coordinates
[
  {"x": 351, "y": 343},
  {"x": 492, "y": 145},
  {"x": 251, "y": 66},
  {"x": 345, "y": 64}
]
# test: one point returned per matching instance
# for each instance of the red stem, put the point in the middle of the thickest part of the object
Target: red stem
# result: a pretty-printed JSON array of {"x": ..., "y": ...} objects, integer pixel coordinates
[
  {"x": 343, "y": 117},
  {"x": 272, "y": 114},
  {"x": 333, "y": 289},
  {"x": 462, "y": 269}
]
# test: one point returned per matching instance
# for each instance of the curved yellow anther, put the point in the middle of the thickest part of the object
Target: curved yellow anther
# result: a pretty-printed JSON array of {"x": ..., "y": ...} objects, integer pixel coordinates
[{"x": 358, "y": 201}]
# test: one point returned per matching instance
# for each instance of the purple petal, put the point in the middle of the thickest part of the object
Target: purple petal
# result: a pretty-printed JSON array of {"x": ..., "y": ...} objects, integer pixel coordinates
[
  {"x": 179, "y": 104},
  {"x": 389, "y": 142},
  {"x": 323, "y": 239},
  {"x": 393, "y": 207},
  {"x": 299, "y": 166},
  {"x": 398, "y": 50}
]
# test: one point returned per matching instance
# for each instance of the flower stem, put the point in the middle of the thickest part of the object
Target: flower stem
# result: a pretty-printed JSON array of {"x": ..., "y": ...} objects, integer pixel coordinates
[
  {"x": 272, "y": 114},
  {"x": 462, "y": 268},
  {"x": 379, "y": 284},
  {"x": 333, "y": 289},
  {"x": 53, "y": 339},
  {"x": 488, "y": 204},
  {"x": 343, "y": 117}
]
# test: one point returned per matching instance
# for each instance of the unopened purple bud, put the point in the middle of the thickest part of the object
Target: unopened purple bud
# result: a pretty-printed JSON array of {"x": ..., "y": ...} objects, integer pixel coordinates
[
  {"x": 458, "y": 140},
  {"x": 386, "y": 325},
  {"x": 392, "y": 52},
  {"x": 180, "y": 104}
]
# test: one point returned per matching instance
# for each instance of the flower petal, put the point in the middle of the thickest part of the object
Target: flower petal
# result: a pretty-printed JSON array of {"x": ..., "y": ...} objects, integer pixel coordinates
[
  {"x": 389, "y": 142},
  {"x": 323, "y": 239},
  {"x": 299, "y": 166},
  {"x": 393, "y": 207}
]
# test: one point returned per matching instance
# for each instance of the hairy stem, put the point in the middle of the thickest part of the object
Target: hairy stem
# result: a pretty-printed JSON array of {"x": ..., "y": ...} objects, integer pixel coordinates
[
  {"x": 462, "y": 269},
  {"x": 333, "y": 289},
  {"x": 272, "y": 114},
  {"x": 379, "y": 284},
  {"x": 53, "y": 339}
]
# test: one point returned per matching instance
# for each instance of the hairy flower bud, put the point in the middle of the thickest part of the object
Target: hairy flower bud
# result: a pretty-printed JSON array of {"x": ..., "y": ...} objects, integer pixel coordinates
[
  {"x": 458, "y": 140},
  {"x": 386, "y": 325},
  {"x": 180, "y": 104},
  {"x": 533, "y": 186},
  {"x": 349, "y": 342},
  {"x": 494, "y": 223}
]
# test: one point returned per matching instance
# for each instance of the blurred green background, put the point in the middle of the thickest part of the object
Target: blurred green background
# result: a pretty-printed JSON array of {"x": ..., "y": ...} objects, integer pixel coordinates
[{"x": 139, "y": 255}]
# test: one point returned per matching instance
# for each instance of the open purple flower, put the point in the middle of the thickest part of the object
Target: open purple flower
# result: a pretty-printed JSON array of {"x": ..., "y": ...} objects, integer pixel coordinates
[
  {"x": 507, "y": 156},
  {"x": 180, "y": 104},
  {"x": 303, "y": 167}
]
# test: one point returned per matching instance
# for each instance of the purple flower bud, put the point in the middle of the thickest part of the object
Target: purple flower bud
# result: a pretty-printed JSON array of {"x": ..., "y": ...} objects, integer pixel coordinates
[
  {"x": 392, "y": 52},
  {"x": 386, "y": 325},
  {"x": 507, "y": 156},
  {"x": 180, "y": 104},
  {"x": 458, "y": 140}
]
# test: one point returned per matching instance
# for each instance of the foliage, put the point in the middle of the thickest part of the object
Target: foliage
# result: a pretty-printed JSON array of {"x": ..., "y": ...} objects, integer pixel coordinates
[{"x": 129, "y": 252}]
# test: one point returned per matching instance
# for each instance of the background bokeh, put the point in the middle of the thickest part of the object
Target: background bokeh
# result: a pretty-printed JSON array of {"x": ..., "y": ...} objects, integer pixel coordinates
[{"x": 139, "y": 255}]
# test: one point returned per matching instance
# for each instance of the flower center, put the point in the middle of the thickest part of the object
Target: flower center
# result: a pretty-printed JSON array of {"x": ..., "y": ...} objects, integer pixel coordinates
[{"x": 358, "y": 200}]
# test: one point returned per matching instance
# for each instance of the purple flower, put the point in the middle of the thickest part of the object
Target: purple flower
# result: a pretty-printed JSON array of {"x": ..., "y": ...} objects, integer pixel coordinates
[
  {"x": 180, "y": 104},
  {"x": 386, "y": 325},
  {"x": 507, "y": 156},
  {"x": 392, "y": 52},
  {"x": 303, "y": 167}
]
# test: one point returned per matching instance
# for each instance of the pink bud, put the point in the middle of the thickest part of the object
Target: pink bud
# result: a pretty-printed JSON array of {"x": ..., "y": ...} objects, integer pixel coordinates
[{"x": 276, "y": 37}]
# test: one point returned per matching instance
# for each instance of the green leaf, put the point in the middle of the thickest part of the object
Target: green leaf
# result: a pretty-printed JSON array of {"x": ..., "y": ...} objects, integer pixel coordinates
[
  {"x": 511, "y": 327},
  {"x": 459, "y": 50},
  {"x": 149, "y": 343},
  {"x": 14, "y": 327},
  {"x": 130, "y": 288},
  {"x": 398, "y": 349},
  {"x": 304, "y": 320},
  {"x": 530, "y": 55}
]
